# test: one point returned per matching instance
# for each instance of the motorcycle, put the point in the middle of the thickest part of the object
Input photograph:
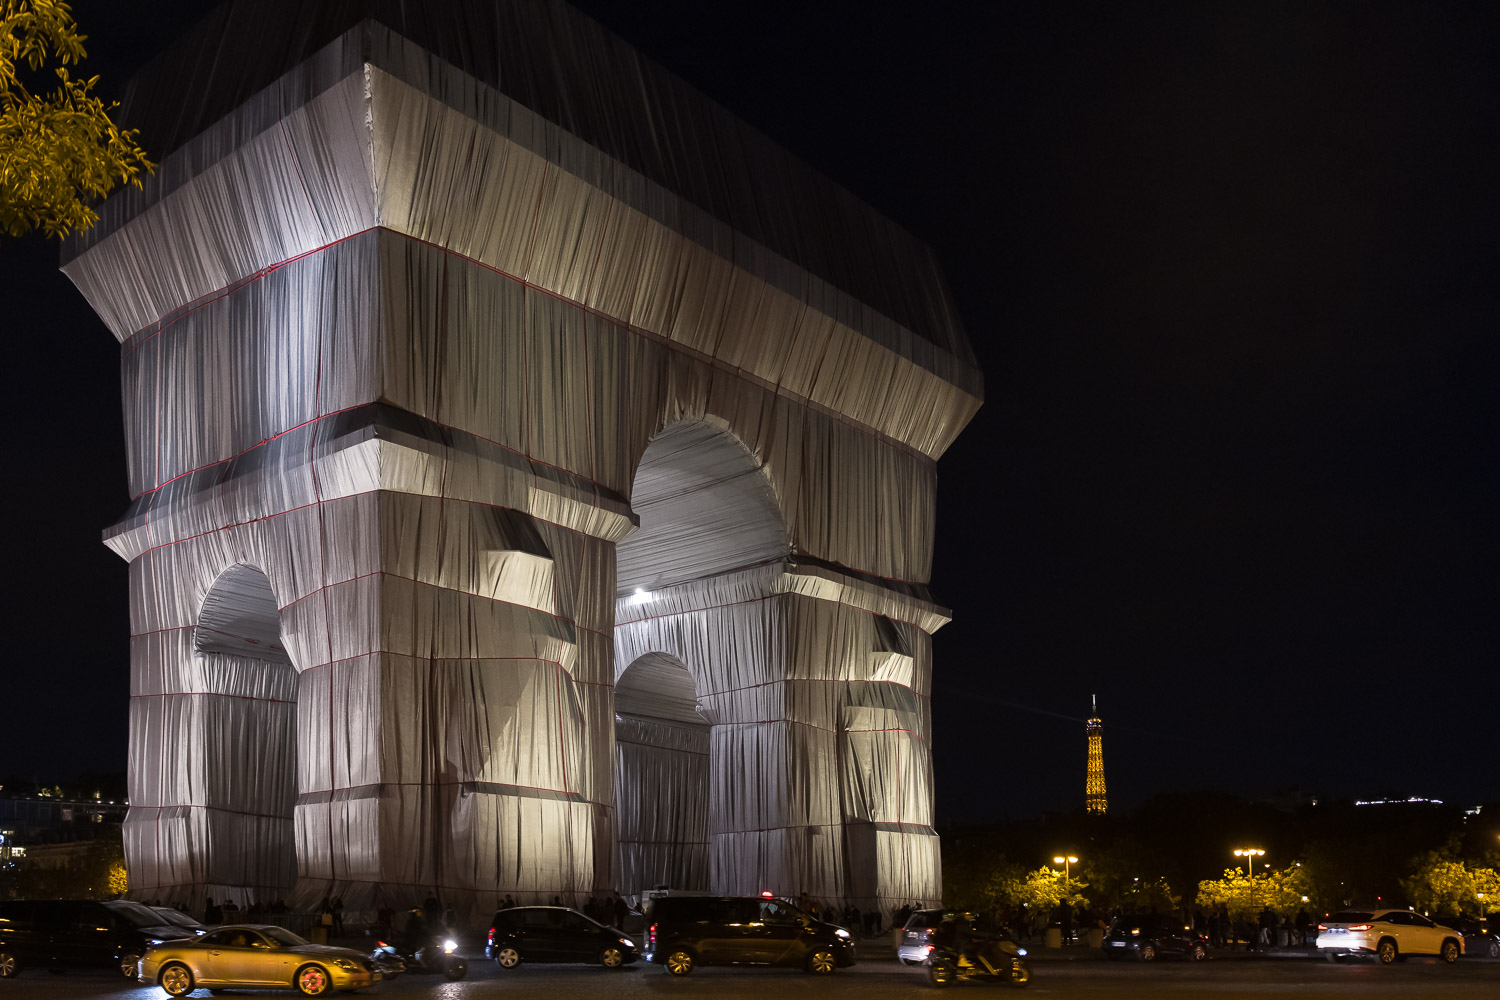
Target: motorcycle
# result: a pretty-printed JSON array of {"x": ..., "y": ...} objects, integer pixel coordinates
[
  {"x": 437, "y": 955},
  {"x": 1000, "y": 961}
]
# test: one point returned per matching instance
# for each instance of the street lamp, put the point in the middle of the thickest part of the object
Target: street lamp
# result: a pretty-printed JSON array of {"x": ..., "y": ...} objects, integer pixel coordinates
[
  {"x": 1250, "y": 854},
  {"x": 1067, "y": 863}
]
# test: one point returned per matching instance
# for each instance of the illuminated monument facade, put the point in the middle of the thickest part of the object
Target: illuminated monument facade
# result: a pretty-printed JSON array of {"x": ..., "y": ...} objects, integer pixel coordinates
[
  {"x": 1094, "y": 799},
  {"x": 533, "y": 473}
]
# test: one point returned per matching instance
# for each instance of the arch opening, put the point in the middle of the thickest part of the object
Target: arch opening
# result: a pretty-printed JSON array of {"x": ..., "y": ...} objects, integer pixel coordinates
[
  {"x": 707, "y": 508},
  {"x": 247, "y": 722},
  {"x": 662, "y": 767}
]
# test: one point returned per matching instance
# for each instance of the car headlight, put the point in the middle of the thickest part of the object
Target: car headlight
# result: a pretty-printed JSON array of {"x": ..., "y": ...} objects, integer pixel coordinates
[
  {"x": 449, "y": 946},
  {"x": 627, "y": 942},
  {"x": 843, "y": 934},
  {"x": 156, "y": 941},
  {"x": 346, "y": 964},
  {"x": 1021, "y": 952}
]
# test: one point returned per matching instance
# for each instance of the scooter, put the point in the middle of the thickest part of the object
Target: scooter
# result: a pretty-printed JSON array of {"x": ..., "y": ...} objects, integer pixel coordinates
[
  {"x": 387, "y": 961},
  {"x": 1001, "y": 961},
  {"x": 437, "y": 955}
]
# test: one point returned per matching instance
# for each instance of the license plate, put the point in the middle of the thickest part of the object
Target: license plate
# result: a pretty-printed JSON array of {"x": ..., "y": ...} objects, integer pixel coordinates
[{"x": 1117, "y": 944}]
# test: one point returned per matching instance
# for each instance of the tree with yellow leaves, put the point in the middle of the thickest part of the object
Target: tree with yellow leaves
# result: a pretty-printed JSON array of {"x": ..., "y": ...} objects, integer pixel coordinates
[{"x": 59, "y": 149}]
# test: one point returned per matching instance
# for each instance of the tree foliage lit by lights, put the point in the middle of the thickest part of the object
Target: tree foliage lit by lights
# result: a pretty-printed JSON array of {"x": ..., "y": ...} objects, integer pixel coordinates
[
  {"x": 1445, "y": 886},
  {"x": 59, "y": 149},
  {"x": 1044, "y": 888},
  {"x": 994, "y": 885},
  {"x": 1282, "y": 891},
  {"x": 115, "y": 880}
]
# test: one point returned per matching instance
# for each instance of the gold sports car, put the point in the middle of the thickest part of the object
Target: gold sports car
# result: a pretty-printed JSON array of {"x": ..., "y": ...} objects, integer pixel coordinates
[{"x": 254, "y": 956}]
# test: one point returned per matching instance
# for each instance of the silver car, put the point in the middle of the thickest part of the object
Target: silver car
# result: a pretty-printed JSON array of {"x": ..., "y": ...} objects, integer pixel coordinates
[{"x": 255, "y": 956}]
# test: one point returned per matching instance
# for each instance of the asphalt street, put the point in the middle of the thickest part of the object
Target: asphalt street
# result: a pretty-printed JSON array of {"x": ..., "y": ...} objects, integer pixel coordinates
[{"x": 1222, "y": 979}]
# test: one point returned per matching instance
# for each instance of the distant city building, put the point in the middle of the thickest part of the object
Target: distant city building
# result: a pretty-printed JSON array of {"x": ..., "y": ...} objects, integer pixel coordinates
[{"x": 1093, "y": 789}]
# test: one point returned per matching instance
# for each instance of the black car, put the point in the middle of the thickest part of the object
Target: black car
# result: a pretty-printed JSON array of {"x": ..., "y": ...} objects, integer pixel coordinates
[
  {"x": 176, "y": 918},
  {"x": 1151, "y": 936},
  {"x": 555, "y": 934},
  {"x": 687, "y": 931},
  {"x": 79, "y": 933},
  {"x": 1480, "y": 937}
]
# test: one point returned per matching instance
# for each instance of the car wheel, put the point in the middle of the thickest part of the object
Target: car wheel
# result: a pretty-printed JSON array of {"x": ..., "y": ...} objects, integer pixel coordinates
[
  {"x": 1147, "y": 952},
  {"x": 1494, "y": 949},
  {"x": 1450, "y": 951},
  {"x": 612, "y": 957},
  {"x": 821, "y": 962},
  {"x": 176, "y": 979},
  {"x": 1386, "y": 953},
  {"x": 1197, "y": 953},
  {"x": 679, "y": 962},
  {"x": 8, "y": 965},
  {"x": 507, "y": 957},
  {"x": 313, "y": 981},
  {"x": 128, "y": 965},
  {"x": 456, "y": 969}
]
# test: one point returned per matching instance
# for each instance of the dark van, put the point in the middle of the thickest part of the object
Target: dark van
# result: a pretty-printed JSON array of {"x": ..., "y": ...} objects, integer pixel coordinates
[
  {"x": 684, "y": 932},
  {"x": 79, "y": 934}
]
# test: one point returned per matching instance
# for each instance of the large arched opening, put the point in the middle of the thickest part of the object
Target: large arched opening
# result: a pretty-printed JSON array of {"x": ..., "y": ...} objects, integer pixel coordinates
[
  {"x": 662, "y": 750},
  {"x": 708, "y": 517},
  {"x": 248, "y": 727}
]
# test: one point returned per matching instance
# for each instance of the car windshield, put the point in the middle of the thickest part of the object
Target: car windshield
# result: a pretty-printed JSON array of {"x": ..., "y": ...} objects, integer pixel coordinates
[
  {"x": 1351, "y": 917},
  {"x": 136, "y": 913},
  {"x": 283, "y": 938},
  {"x": 175, "y": 917}
]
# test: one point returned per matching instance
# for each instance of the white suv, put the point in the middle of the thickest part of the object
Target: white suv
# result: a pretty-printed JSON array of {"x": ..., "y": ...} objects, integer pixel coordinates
[{"x": 1389, "y": 935}]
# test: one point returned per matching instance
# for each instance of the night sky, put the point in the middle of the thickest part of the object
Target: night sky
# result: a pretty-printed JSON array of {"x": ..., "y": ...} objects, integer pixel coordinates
[{"x": 1229, "y": 269}]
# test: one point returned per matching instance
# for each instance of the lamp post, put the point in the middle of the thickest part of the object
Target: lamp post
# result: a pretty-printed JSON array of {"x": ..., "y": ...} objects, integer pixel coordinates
[
  {"x": 1067, "y": 863},
  {"x": 1250, "y": 854}
]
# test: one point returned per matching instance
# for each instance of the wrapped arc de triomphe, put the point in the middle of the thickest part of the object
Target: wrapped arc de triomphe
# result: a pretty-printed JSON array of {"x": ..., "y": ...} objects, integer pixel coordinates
[{"x": 533, "y": 473}]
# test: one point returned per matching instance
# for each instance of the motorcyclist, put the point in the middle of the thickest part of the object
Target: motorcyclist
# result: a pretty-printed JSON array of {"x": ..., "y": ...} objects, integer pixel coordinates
[
  {"x": 414, "y": 935},
  {"x": 960, "y": 933}
]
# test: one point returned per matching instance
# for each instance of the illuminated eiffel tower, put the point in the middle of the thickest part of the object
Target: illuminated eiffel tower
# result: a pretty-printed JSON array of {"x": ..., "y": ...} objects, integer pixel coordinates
[{"x": 1093, "y": 788}]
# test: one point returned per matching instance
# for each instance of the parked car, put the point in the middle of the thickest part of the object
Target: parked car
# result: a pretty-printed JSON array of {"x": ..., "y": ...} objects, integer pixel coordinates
[
  {"x": 79, "y": 933},
  {"x": 1150, "y": 936},
  {"x": 255, "y": 956},
  {"x": 912, "y": 950},
  {"x": 1480, "y": 938},
  {"x": 176, "y": 918},
  {"x": 1389, "y": 935},
  {"x": 555, "y": 934},
  {"x": 687, "y": 931}
]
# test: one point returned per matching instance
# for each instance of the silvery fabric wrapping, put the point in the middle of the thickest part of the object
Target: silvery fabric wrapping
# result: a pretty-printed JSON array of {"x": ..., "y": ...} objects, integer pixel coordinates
[{"x": 444, "y": 420}]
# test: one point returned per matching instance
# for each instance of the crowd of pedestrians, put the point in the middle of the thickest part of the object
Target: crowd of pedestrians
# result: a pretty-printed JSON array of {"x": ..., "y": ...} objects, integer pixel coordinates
[{"x": 1268, "y": 929}]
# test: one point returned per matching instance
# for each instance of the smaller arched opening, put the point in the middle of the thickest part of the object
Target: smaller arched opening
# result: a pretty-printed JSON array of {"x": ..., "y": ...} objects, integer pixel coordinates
[
  {"x": 661, "y": 777},
  {"x": 246, "y": 724}
]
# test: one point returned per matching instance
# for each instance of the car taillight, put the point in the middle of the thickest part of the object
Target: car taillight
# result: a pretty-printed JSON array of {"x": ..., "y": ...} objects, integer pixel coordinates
[
  {"x": 651, "y": 934},
  {"x": 1322, "y": 927},
  {"x": 492, "y": 935},
  {"x": 1360, "y": 927}
]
